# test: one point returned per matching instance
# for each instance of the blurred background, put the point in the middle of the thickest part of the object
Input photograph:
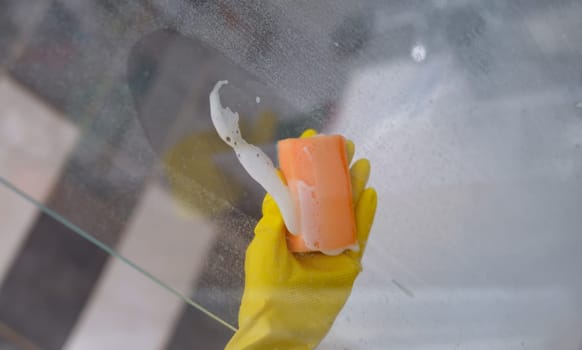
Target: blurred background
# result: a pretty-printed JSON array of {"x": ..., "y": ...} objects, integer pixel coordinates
[{"x": 124, "y": 219}]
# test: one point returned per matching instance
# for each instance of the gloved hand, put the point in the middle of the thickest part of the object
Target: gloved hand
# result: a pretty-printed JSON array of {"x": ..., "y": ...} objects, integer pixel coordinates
[{"x": 291, "y": 300}]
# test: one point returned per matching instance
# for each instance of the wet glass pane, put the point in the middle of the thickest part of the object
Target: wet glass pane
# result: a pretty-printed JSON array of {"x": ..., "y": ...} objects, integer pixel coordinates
[
  {"x": 469, "y": 112},
  {"x": 61, "y": 291}
]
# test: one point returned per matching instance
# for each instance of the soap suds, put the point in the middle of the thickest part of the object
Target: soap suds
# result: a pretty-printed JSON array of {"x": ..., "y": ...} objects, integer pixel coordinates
[
  {"x": 333, "y": 252},
  {"x": 308, "y": 221},
  {"x": 257, "y": 164}
]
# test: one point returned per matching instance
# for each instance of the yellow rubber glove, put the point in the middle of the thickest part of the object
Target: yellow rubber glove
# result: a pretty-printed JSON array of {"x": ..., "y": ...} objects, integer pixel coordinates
[{"x": 291, "y": 300}]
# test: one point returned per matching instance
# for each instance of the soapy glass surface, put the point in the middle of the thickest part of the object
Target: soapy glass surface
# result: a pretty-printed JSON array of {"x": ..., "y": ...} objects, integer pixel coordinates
[
  {"x": 470, "y": 112},
  {"x": 257, "y": 164},
  {"x": 299, "y": 218}
]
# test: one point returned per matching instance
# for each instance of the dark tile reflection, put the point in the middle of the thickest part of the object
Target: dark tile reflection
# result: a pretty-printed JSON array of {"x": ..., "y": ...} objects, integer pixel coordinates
[
  {"x": 51, "y": 279},
  {"x": 7, "y": 346},
  {"x": 12, "y": 340},
  {"x": 49, "y": 62},
  {"x": 195, "y": 330}
]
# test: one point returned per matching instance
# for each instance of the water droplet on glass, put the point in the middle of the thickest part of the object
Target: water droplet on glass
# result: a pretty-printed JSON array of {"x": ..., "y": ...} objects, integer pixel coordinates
[{"x": 418, "y": 53}]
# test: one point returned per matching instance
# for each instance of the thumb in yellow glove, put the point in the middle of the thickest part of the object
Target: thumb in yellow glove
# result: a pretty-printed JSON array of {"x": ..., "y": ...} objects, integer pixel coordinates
[{"x": 291, "y": 300}]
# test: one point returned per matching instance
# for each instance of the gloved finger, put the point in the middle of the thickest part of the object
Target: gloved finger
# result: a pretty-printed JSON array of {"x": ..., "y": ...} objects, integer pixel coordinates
[
  {"x": 350, "y": 149},
  {"x": 359, "y": 174},
  {"x": 308, "y": 133},
  {"x": 270, "y": 231},
  {"x": 365, "y": 212},
  {"x": 270, "y": 207}
]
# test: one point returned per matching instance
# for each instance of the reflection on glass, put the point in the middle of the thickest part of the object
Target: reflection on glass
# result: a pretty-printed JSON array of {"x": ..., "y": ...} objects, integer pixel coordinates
[{"x": 469, "y": 113}]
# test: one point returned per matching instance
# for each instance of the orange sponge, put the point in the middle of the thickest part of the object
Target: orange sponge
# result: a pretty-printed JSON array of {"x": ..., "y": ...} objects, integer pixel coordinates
[{"x": 316, "y": 170}]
